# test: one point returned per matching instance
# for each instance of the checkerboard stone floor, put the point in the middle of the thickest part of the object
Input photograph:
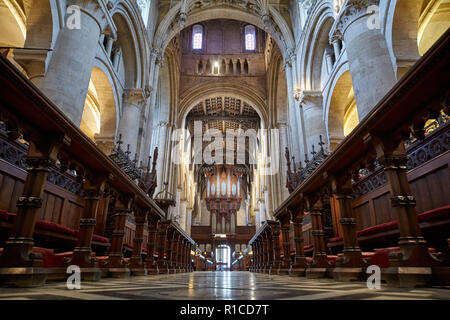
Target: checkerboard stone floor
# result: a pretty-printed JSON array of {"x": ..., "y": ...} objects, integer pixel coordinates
[{"x": 220, "y": 285}]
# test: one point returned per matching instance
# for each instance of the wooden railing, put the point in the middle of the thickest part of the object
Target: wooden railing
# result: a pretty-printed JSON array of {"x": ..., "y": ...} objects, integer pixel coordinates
[{"x": 55, "y": 147}]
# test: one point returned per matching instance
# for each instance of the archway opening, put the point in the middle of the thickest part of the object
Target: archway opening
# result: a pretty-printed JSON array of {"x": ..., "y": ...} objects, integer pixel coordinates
[
  {"x": 223, "y": 257},
  {"x": 99, "y": 117},
  {"x": 343, "y": 114}
]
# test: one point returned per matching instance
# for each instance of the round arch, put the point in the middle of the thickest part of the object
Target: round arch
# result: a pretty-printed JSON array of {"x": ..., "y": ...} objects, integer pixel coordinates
[
  {"x": 201, "y": 92},
  {"x": 169, "y": 26},
  {"x": 316, "y": 40}
]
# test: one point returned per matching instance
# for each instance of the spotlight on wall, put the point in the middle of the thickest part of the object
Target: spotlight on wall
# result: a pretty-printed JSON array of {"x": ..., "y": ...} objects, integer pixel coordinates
[{"x": 216, "y": 64}]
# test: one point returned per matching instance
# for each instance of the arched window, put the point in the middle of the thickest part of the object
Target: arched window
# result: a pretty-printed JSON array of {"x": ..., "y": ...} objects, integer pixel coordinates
[
  {"x": 250, "y": 38},
  {"x": 197, "y": 37}
]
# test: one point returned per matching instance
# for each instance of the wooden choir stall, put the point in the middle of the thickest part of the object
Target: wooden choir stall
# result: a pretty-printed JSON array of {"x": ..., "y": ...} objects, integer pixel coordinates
[
  {"x": 380, "y": 198},
  {"x": 65, "y": 202}
]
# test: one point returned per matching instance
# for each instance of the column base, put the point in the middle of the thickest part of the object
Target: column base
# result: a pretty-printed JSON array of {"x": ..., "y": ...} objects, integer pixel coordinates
[
  {"x": 152, "y": 272},
  {"x": 23, "y": 277},
  {"x": 283, "y": 272},
  {"x": 298, "y": 272},
  {"x": 119, "y": 272},
  {"x": 407, "y": 277},
  {"x": 90, "y": 274},
  {"x": 441, "y": 276},
  {"x": 315, "y": 273},
  {"x": 347, "y": 274},
  {"x": 138, "y": 272}
]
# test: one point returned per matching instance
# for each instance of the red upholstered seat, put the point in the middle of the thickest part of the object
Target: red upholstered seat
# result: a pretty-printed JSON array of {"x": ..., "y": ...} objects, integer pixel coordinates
[
  {"x": 435, "y": 215},
  {"x": 144, "y": 250},
  {"x": 309, "y": 259},
  {"x": 97, "y": 238},
  {"x": 309, "y": 246},
  {"x": 388, "y": 226},
  {"x": 4, "y": 215},
  {"x": 129, "y": 246},
  {"x": 332, "y": 259},
  {"x": 102, "y": 260},
  {"x": 51, "y": 226},
  {"x": 7, "y": 216},
  {"x": 334, "y": 240}
]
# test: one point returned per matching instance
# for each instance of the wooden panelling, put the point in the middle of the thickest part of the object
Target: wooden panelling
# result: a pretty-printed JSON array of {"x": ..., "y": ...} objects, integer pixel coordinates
[{"x": 429, "y": 185}]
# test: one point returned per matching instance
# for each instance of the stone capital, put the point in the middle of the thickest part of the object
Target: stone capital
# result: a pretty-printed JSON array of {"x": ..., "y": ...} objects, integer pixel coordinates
[
  {"x": 310, "y": 99},
  {"x": 351, "y": 11},
  {"x": 135, "y": 96}
]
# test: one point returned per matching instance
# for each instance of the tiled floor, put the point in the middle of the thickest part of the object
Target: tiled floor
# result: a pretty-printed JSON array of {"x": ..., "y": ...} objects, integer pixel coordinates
[{"x": 220, "y": 285}]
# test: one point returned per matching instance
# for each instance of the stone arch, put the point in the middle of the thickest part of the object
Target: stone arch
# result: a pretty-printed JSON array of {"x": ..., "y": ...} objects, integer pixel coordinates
[
  {"x": 341, "y": 109},
  {"x": 100, "y": 115},
  {"x": 412, "y": 27},
  {"x": 128, "y": 38},
  {"x": 316, "y": 40},
  {"x": 13, "y": 24},
  {"x": 201, "y": 92},
  {"x": 169, "y": 26}
]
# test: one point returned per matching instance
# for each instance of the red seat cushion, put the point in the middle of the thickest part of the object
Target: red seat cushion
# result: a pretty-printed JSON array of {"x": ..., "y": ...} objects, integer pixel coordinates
[
  {"x": 51, "y": 226},
  {"x": 4, "y": 215},
  {"x": 129, "y": 246},
  {"x": 388, "y": 226},
  {"x": 47, "y": 256},
  {"x": 97, "y": 238},
  {"x": 336, "y": 239},
  {"x": 435, "y": 215},
  {"x": 144, "y": 250},
  {"x": 309, "y": 246}
]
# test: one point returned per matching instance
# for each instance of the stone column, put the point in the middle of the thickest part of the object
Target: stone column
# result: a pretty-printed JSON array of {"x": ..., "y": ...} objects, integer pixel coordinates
[
  {"x": 285, "y": 225},
  {"x": 294, "y": 115},
  {"x": 18, "y": 265},
  {"x": 151, "y": 245},
  {"x": 137, "y": 266},
  {"x": 319, "y": 265},
  {"x": 300, "y": 264},
  {"x": 329, "y": 59},
  {"x": 311, "y": 102},
  {"x": 336, "y": 47},
  {"x": 370, "y": 65},
  {"x": 133, "y": 101},
  {"x": 350, "y": 266},
  {"x": 67, "y": 78},
  {"x": 116, "y": 265},
  {"x": 93, "y": 190}
]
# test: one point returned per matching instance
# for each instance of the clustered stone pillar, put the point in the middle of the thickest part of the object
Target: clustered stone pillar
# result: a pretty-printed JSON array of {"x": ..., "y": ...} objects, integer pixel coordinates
[
  {"x": 67, "y": 78},
  {"x": 134, "y": 100},
  {"x": 370, "y": 64},
  {"x": 311, "y": 102},
  {"x": 18, "y": 265}
]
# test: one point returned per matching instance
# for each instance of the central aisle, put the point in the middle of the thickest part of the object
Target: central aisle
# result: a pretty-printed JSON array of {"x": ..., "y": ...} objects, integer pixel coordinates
[{"x": 220, "y": 285}]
